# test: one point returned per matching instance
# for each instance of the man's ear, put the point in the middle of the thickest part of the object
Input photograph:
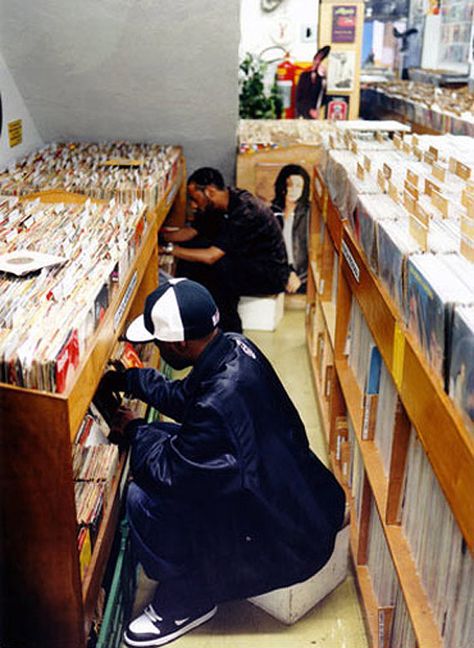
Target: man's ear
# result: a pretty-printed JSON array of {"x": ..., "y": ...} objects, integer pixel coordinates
[{"x": 210, "y": 191}]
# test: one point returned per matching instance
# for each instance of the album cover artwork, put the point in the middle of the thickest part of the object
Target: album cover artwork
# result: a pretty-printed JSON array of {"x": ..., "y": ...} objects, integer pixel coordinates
[{"x": 461, "y": 371}]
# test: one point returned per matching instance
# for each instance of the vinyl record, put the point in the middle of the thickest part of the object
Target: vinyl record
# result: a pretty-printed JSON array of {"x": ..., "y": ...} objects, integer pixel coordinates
[{"x": 22, "y": 262}]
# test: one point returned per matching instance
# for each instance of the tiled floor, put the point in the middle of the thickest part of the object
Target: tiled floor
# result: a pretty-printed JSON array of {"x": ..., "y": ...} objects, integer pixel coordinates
[{"x": 337, "y": 621}]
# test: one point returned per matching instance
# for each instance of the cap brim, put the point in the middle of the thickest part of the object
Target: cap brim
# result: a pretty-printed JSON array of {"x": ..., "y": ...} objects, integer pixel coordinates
[{"x": 137, "y": 331}]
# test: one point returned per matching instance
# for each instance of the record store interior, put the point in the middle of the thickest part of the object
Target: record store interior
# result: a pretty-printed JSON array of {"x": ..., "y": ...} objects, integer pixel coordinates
[{"x": 237, "y": 324}]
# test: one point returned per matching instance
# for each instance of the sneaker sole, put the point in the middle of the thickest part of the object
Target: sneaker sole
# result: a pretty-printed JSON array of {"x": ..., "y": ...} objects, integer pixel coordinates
[{"x": 161, "y": 641}]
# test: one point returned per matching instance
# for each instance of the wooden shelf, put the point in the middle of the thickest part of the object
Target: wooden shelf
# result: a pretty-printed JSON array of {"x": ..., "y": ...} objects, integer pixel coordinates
[
  {"x": 421, "y": 393},
  {"x": 40, "y": 561},
  {"x": 335, "y": 224},
  {"x": 369, "y": 602},
  {"x": 352, "y": 393},
  {"x": 422, "y": 403},
  {"x": 319, "y": 391},
  {"x": 421, "y": 614},
  {"x": 329, "y": 312}
]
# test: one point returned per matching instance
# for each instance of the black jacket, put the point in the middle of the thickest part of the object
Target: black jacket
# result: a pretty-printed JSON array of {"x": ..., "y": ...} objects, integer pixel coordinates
[
  {"x": 263, "y": 509},
  {"x": 309, "y": 95}
]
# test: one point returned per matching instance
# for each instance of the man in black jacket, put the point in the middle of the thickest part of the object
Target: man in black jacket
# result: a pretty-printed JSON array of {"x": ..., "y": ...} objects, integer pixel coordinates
[
  {"x": 234, "y": 247},
  {"x": 311, "y": 88},
  {"x": 230, "y": 502}
]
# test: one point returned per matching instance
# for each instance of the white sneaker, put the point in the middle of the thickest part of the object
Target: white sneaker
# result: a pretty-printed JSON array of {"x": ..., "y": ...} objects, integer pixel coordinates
[{"x": 150, "y": 629}]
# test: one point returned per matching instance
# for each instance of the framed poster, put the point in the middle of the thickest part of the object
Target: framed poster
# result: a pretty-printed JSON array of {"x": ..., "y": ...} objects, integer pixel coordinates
[
  {"x": 341, "y": 71},
  {"x": 344, "y": 19},
  {"x": 337, "y": 107}
]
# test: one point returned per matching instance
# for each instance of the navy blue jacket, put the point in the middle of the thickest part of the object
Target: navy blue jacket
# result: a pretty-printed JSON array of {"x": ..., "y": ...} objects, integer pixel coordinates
[{"x": 264, "y": 510}]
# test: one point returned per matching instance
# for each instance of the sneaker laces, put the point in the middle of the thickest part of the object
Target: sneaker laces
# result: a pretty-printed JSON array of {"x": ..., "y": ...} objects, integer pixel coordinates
[{"x": 151, "y": 614}]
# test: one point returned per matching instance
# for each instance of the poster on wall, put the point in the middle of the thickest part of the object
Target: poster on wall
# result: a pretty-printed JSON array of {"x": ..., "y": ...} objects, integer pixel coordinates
[
  {"x": 344, "y": 18},
  {"x": 337, "y": 107},
  {"x": 15, "y": 132},
  {"x": 341, "y": 71}
]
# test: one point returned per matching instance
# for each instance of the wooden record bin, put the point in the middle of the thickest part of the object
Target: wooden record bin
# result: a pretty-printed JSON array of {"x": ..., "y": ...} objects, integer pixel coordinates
[
  {"x": 44, "y": 603},
  {"x": 421, "y": 403}
]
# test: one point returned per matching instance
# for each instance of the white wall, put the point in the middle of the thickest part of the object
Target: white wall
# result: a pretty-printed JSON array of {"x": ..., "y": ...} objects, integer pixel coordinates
[
  {"x": 261, "y": 29},
  {"x": 144, "y": 70},
  {"x": 13, "y": 108}
]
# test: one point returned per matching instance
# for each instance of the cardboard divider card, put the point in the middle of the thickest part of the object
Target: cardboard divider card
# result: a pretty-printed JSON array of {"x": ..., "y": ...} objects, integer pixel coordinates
[
  {"x": 411, "y": 188},
  {"x": 440, "y": 202},
  {"x": 387, "y": 171},
  {"x": 409, "y": 202},
  {"x": 430, "y": 187},
  {"x": 467, "y": 238},
  {"x": 463, "y": 171},
  {"x": 419, "y": 231},
  {"x": 439, "y": 172},
  {"x": 381, "y": 180},
  {"x": 393, "y": 192},
  {"x": 467, "y": 200},
  {"x": 412, "y": 178}
]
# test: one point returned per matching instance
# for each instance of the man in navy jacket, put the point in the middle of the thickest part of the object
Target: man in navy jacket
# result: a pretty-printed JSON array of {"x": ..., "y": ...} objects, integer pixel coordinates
[{"x": 230, "y": 502}]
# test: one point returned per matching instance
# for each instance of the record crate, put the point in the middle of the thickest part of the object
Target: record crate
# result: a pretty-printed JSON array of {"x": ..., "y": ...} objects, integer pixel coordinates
[{"x": 121, "y": 594}]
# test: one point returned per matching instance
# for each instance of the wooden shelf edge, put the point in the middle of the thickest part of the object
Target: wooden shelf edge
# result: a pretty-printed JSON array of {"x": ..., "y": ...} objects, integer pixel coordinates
[
  {"x": 419, "y": 610},
  {"x": 315, "y": 272},
  {"x": 318, "y": 392},
  {"x": 351, "y": 392},
  {"x": 369, "y": 602},
  {"x": 329, "y": 312}
]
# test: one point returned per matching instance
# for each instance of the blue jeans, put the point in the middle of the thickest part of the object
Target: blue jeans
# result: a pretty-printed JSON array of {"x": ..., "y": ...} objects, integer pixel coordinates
[{"x": 162, "y": 541}]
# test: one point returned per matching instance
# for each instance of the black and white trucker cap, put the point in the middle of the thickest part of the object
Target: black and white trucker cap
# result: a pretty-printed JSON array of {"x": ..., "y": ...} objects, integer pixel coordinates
[{"x": 178, "y": 310}]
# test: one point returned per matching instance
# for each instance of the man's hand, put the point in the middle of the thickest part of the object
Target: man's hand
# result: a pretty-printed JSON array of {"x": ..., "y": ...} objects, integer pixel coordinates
[
  {"x": 294, "y": 282},
  {"x": 114, "y": 381},
  {"x": 118, "y": 426}
]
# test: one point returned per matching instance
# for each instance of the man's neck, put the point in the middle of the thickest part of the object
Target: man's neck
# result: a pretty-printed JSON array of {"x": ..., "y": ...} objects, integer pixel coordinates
[{"x": 221, "y": 200}]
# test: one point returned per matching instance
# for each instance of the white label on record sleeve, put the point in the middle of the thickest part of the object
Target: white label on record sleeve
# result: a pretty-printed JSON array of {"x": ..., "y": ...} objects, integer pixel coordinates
[
  {"x": 351, "y": 261},
  {"x": 381, "y": 624},
  {"x": 124, "y": 301}
]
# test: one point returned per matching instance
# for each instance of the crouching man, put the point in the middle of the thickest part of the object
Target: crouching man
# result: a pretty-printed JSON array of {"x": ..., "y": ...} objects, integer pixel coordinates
[{"x": 229, "y": 502}]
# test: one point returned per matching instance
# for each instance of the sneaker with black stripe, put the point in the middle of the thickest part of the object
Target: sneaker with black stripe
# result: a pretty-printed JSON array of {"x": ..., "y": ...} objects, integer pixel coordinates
[{"x": 150, "y": 629}]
